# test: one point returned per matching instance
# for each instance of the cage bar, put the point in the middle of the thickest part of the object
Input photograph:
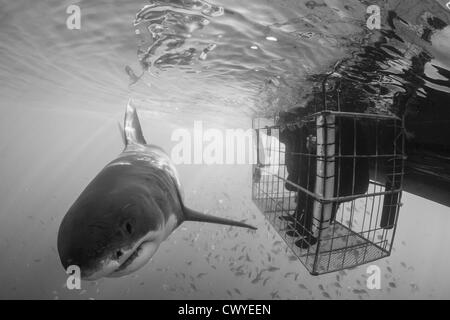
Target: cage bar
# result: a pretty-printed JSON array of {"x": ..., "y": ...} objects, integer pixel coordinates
[{"x": 330, "y": 183}]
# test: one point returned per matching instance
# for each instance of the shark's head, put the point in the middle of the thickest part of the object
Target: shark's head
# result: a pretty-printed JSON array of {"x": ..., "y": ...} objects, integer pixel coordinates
[{"x": 113, "y": 228}]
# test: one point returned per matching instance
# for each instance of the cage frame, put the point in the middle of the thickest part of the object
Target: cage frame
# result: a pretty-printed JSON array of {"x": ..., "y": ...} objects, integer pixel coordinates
[{"x": 324, "y": 200}]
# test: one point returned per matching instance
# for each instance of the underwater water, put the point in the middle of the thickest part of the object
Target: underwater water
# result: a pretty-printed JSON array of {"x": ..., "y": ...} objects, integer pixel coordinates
[{"x": 220, "y": 62}]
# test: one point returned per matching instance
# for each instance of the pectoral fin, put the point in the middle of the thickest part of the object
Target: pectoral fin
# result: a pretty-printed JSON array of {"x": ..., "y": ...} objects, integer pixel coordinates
[{"x": 192, "y": 215}]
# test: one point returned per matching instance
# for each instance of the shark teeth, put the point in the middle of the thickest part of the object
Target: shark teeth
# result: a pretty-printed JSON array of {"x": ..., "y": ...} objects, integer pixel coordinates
[{"x": 131, "y": 258}]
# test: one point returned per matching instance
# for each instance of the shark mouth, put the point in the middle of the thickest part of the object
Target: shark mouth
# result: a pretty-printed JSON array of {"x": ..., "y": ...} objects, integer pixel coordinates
[
  {"x": 135, "y": 258},
  {"x": 134, "y": 255},
  {"x": 130, "y": 261}
]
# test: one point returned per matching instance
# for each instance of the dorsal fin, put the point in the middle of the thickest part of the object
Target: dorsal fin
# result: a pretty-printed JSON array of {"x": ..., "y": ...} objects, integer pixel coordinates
[
  {"x": 132, "y": 128},
  {"x": 122, "y": 133}
]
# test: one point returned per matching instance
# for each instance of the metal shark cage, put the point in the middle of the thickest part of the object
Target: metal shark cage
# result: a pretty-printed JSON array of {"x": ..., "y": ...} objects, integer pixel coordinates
[{"x": 330, "y": 183}]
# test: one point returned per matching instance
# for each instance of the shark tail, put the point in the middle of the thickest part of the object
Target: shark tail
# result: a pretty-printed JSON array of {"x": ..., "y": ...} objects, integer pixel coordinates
[{"x": 192, "y": 215}]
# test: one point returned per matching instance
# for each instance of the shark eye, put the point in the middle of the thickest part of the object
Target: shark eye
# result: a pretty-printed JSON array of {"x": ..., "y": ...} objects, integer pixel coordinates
[
  {"x": 129, "y": 227},
  {"x": 119, "y": 253}
]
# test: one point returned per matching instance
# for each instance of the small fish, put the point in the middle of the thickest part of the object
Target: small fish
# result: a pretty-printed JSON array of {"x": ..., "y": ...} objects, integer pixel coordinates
[
  {"x": 237, "y": 291},
  {"x": 414, "y": 287},
  {"x": 256, "y": 280},
  {"x": 272, "y": 269},
  {"x": 302, "y": 286},
  {"x": 240, "y": 268},
  {"x": 274, "y": 294},
  {"x": 392, "y": 285},
  {"x": 326, "y": 295},
  {"x": 359, "y": 292}
]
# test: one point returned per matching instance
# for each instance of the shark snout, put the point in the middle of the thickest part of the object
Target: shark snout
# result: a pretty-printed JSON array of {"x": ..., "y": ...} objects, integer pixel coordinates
[{"x": 105, "y": 249}]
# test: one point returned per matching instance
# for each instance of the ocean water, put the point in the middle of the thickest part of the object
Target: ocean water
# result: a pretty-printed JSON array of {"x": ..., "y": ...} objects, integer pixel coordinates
[{"x": 220, "y": 62}]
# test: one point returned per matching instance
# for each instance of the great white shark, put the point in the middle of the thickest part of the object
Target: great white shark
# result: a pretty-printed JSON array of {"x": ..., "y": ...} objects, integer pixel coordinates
[{"x": 118, "y": 222}]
